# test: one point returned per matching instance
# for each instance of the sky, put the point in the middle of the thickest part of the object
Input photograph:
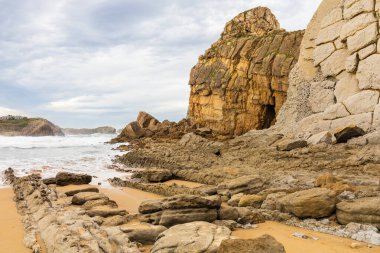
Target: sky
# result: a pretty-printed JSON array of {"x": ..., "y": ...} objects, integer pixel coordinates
[{"x": 89, "y": 63}]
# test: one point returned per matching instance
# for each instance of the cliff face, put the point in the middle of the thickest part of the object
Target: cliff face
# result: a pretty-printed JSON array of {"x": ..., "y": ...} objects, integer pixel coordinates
[
  {"x": 241, "y": 82},
  {"x": 22, "y": 126},
  {"x": 336, "y": 81}
]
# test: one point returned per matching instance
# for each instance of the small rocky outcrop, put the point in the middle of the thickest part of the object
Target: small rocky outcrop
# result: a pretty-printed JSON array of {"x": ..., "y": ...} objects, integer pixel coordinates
[
  {"x": 148, "y": 126},
  {"x": 246, "y": 184},
  {"x": 196, "y": 237},
  {"x": 143, "y": 233},
  {"x": 241, "y": 82},
  {"x": 65, "y": 178},
  {"x": 364, "y": 211},
  {"x": 23, "y": 126},
  {"x": 263, "y": 244},
  {"x": 179, "y": 209},
  {"x": 314, "y": 203},
  {"x": 153, "y": 175}
]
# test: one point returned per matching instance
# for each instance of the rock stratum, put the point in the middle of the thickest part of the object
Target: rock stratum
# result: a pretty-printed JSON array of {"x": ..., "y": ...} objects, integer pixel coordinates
[
  {"x": 241, "y": 82},
  {"x": 23, "y": 126},
  {"x": 336, "y": 81}
]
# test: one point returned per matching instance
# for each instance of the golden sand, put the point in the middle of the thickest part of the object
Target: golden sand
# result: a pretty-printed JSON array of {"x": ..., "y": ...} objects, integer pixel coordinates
[
  {"x": 325, "y": 244},
  {"x": 12, "y": 231}
]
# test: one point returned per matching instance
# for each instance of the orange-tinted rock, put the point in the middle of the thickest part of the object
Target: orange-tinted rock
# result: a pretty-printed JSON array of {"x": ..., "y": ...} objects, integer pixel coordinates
[{"x": 241, "y": 82}]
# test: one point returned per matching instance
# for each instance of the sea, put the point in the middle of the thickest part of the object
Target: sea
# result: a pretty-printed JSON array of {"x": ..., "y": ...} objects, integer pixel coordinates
[{"x": 49, "y": 155}]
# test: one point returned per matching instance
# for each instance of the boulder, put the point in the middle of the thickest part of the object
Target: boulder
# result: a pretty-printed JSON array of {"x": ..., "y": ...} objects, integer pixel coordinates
[
  {"x": 170, "y": 218},
  {"x": 65, "y": 178},
  {"x": 323, "y": 137},
  {"x": 365, "y": 211},
  {"x": 290, "y": 144},
  {"x": 248, "y": 216},
  {"x": 312, "y": 203},
  {"x": 145, "y": 120},
  {"x": 192, "y": 139},
  {"x": 263, "y": 244},
  {"x": 235, "y": 199},
  {"x": 116, "y": 220},
  {"x": 73, "y": 192},
  {"x": 99, "y": 202},
  {"x": 142, "y": 233},
  {"x": 344, "y": 134},
  {"x": 228, "y": 213},
  {"x": 333, "y": 183},
  {"x": 180, "y": 209},
  {"x": 251, "y": 200},
  {"x": 271, "y": 201},
  {"x": 133, "y": 131},
  {"x": 326, "y": 179},
  {"x": 49, "y": 181},
  {"x": 194, "y": 237},
  {"x": 105, "y": 212},
  {"x": 83, "y": 197},
  {"x": 246, "y": 184},
  {"x": 154, "y": 175}
]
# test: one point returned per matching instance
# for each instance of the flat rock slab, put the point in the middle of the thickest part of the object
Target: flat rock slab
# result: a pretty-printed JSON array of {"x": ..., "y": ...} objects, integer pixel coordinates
[
  {"x": 195, "y": 237},
  {"x": 83, "y": 197},
  {"x": 73, "y": 192},
  {"x": 105, "y": 212},
  {"x": 179, "y": 202},
  {"x": 263, "y": 244},
  {"x": 143, "y": 233},
  {"x": 365, "y": 211},
  {"x": 245, "y": 184}
]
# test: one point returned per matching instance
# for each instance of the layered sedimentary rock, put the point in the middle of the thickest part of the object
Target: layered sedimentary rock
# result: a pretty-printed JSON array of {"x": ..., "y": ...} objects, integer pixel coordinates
[
  {"x": 336, "y": 81},
  {"x": 241, "y": 82}
]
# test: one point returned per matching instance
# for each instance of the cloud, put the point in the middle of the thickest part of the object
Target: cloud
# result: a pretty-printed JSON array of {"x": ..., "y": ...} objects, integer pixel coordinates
[
  {"x": 102, "y": 61},
  {"x": 4, "y": 111}
]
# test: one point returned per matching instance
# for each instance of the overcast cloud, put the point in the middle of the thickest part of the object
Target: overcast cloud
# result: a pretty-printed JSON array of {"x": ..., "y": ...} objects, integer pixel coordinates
[{"x": 86, "y": 63}]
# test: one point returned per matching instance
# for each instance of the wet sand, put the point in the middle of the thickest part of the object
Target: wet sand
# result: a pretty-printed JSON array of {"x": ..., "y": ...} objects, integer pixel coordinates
[
  {"x": 325, "y": 244},
  {"x": 12, "y": 231}
]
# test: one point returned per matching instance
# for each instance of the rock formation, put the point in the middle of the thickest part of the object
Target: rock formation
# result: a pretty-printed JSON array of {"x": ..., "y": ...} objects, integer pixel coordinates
[
  {"x": 241, "y": 82},
  {"x": 336, "y": 82},
  {"x": 148, "y": 126},
  {"x": 23, "y": 126}
]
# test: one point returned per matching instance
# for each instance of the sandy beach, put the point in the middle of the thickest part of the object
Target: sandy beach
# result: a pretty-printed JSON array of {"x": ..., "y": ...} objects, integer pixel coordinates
[
  {"x": 130, "y": 199},
  {"x": 11, "y": 232}
]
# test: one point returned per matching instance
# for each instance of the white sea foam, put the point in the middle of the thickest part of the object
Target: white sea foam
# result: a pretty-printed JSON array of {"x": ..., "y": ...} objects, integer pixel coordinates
[{"x": 49, "y": 155}]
